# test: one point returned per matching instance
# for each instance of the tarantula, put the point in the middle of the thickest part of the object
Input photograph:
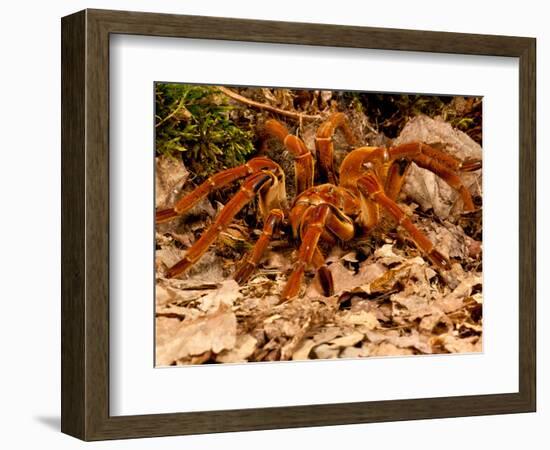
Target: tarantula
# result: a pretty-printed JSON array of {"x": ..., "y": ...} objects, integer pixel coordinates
[{"x": 347, "y": 205}]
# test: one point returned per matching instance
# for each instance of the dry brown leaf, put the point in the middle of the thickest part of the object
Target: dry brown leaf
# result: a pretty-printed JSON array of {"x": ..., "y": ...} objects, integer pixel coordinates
[
  {"x": 289, "y": 349},
  {"x": 367, "y": 320},
  {"x": 409, "y": 268},
  {"x": 290, "y": 329},
  {"x": 186, "y": 239},
  {"x": 386, "y": 255},
  {"x": 164, "y": 329},
  {"x": 303, "y": 351},
  {"x": 226, "y": 294},
  {"x": 196, "y": 359},
  {"x": 326, "y": 351},
  {"x": 354, "y": 352},
  {"x": 350, "y": 257},
  {"x": 380, "y": 309},
  {"x": 347, "y": 281},
  {"x": 179, "y": 312},
  {"x": 455, "y": 299},
  {"x": 453, "y": 344},
  {"x": 449, "y": 239},
  {"x": 347, "y": 340},
  {"x": 276, "y": 261},
  {"x": 327, "y": 335},
  {"x": 478, "y": 298},
  {"x": 436, "y": 319},
  {"x": 387, "y": 349},
  {"x": 244, "y": 348},
  {"x": 415, "y": 306},
  {"x": 167, "y": 257},
  {"x": 423, "y": 186},
  {"x": 200, "y": 359},
  {"x": 170, "y": 175},
  {"x": 214, "y": 332},
  {"x": 413, "y": 339},
  {"x": 332, "y": 348},
  {"x": 164, "y": 295},
  {"x": 181, "y": 292}
]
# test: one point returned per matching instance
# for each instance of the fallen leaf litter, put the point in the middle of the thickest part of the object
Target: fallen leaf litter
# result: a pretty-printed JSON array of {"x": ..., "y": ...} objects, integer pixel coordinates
[{"x": 388, "y": 299}]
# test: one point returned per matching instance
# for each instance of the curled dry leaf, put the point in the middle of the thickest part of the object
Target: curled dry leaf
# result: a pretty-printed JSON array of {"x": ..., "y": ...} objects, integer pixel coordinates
[{"x": 426, "y": 188}]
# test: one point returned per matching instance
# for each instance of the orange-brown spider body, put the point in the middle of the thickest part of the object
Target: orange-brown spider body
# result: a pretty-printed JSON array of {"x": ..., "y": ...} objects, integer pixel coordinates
[{"x": 347, "y": 205}]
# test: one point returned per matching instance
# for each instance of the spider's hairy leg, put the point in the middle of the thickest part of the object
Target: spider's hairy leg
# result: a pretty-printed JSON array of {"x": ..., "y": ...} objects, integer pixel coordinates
[
  {"x": 216, "y": 181},
  {"x": 371, "y": 186},
  {"x": 317, "y": 216},
  {"x": 303, "y": 159},
  {"x": 247, "y": 192},
  {"x": 249, "y": 264},
  {"x": 323, "y": 221},
  {"x": 325, "y": 275},
  {"x": 325, "y": 146},
  {"x": 396, "y": 177},
  {"x": 470, "y": 165},
  {"x": 450, "y": 177},
  {"x": 340, "y": 225},
  {"x": 442, "y": 164}
]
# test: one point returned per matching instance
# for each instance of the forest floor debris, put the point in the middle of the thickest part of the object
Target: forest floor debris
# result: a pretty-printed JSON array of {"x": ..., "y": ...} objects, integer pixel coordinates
[{"x": 388, "y": 299}]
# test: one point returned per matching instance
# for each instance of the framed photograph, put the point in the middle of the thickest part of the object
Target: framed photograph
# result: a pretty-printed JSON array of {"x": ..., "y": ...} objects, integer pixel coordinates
[{"x": 271, "y": 225}]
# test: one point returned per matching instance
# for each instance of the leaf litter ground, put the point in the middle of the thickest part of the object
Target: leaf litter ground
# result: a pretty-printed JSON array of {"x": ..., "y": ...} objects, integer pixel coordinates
[{"x": 388, "y": 299}]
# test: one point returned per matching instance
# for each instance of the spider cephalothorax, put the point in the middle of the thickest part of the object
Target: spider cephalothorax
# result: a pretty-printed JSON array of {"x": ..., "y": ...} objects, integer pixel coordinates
[{"x": 347, "y": 204}]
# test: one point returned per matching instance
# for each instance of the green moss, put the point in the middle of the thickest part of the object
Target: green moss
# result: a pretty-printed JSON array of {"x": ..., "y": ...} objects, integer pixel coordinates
[{"x": 195, "y": 122}]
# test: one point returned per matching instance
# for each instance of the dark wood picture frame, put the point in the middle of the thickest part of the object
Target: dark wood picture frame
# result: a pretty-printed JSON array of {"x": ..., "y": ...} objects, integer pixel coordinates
[{"x": 85, "y": 224}]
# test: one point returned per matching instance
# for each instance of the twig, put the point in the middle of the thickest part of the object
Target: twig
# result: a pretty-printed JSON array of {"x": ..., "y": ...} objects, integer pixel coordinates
[{"x": 246, "y": 101}]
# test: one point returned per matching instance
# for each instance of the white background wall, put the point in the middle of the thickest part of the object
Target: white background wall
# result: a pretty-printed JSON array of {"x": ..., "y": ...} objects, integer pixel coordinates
[{"x": 30, "y": 234}]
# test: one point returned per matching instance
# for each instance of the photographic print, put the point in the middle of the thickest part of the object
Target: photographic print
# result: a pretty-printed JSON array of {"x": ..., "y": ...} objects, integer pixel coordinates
[{"x": 303, "y": 224}]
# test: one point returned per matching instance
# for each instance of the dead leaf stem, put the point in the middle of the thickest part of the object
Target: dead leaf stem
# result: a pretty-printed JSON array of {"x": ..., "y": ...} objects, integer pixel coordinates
[{"x": 246, "y": 101}]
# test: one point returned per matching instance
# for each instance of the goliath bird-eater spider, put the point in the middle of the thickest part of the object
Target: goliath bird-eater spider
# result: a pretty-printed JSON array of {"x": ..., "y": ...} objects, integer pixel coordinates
[{"x": 346, "y": 205}]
